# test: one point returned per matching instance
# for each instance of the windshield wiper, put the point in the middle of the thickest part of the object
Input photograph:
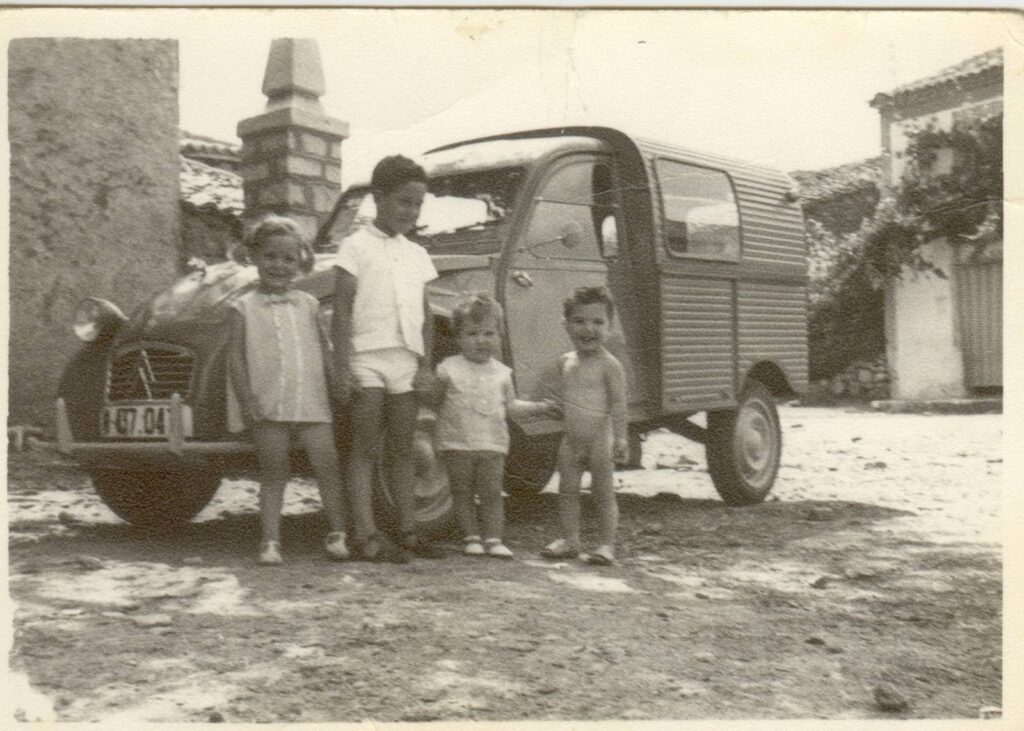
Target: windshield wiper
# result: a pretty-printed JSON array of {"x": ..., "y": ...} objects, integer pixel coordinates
[{"x": 467, "y": 227}]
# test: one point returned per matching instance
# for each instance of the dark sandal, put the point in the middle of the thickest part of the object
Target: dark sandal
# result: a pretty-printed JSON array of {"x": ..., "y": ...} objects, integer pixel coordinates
[
  {"x": 379, "y": 549},
  {"x": 418, "y": 547}
]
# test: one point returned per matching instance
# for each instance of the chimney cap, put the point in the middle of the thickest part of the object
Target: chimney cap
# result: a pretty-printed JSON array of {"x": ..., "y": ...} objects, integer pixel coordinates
[{"x": 293, "y": 68}]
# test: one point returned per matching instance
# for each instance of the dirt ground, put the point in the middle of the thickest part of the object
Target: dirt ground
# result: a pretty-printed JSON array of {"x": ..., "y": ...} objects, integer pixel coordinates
[{"x": 875, "y": 561}]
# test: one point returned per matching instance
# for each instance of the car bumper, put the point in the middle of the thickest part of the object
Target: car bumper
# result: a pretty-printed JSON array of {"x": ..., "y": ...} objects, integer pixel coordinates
[{"x": 174, "y": 451}]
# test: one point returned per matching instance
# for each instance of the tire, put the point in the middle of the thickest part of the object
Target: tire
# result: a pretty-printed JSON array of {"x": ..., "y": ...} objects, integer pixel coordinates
[
  {"x": 434, "y": 507},
  {"x": 155, "y": 499},
  {"x": 531, "y": 462},
  {"x": 744, "y": 447}
]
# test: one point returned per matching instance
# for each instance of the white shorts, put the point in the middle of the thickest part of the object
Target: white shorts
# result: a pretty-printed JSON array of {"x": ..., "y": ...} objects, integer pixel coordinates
[{"x": 392, "y": 369}]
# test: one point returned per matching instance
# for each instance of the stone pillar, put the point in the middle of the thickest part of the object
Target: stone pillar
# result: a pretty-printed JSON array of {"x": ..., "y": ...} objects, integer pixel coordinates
[
  {"x": 94, "y": 185},
  {"x": 291, "y": 154}
]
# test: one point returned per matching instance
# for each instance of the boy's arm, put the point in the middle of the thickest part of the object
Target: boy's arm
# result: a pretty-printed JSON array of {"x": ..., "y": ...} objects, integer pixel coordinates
[
  {"x": 238, "y": 368},
  {"x": 424, "y": 379},
  {"x": 341, "y": 332},
  {"x": 518, "y": 408},
  {"x": 439, "y": 388},
  {"x": 615, "y": 380}
]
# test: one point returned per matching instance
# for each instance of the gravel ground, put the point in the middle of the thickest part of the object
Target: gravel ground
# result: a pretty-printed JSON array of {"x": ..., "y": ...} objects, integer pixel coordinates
[{"x": 867, "y": 586}]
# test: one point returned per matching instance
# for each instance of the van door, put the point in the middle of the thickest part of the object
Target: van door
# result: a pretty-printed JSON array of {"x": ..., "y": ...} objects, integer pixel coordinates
[{"x": 559, "y": 247}]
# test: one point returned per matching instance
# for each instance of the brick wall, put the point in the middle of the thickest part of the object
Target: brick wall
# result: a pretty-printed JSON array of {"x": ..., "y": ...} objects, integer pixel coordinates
[{"x": 93, "y": 130}]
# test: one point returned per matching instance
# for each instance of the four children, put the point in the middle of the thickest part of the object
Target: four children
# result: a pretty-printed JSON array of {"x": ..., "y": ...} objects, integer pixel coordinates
[{"x": 380, "y": 372}]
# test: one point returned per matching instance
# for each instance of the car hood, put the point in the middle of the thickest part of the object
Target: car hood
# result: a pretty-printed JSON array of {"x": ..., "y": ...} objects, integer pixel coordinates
[{"x": 202, "y": 298}]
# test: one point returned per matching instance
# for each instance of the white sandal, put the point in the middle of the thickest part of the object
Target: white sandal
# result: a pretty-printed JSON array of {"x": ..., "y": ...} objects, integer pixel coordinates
[
  {"x": 335, "y": 546},
  {"x": 473, "y": 546},
  {"x": 496, "y": 549},
  {"x": 270, "y": 554}
]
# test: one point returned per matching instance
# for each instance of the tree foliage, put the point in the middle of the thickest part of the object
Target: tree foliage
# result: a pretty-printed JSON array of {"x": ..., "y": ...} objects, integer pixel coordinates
[{"x": 962, "y": 203}]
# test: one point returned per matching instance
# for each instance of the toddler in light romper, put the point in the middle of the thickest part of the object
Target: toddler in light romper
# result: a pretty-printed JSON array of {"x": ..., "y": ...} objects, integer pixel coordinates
[
  {"x": 277, "y": 368},
  {"x": 475, "y": 393},
  {"x": 590, "y": 385}
]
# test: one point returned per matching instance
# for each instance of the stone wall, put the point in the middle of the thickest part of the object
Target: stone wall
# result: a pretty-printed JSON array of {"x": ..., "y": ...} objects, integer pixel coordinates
[{"x": 94, "y": 194}]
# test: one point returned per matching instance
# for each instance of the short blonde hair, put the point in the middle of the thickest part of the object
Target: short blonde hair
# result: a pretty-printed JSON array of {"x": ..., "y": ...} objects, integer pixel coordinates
[
  {"x": 274, "y": 225},
  {"x": 477, "y": 308}
]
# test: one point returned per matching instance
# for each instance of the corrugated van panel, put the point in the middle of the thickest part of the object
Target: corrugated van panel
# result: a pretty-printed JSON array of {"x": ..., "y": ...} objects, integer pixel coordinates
[
  {"x": 697, "y": 342},
  {"x": 773, "y": 327}
]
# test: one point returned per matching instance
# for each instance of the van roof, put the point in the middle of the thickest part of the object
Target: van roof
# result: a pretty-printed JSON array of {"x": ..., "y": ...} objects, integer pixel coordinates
[{"x": 504, "y": 151}]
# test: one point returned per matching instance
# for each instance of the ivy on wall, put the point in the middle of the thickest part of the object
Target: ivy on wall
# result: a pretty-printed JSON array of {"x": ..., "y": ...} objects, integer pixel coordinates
[{"x": 952, "y": 187}]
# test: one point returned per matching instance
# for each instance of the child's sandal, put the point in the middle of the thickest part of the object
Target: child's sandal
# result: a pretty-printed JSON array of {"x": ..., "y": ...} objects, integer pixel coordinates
[
  {"x": 473, "y": 546},
  {"x": 379, "y": 549},
  {"x": 558, "y": 550},
  {"x": 496, "y": 549},
  {"x": 335, "y": 546},
  {"x": 270, "y": 554},
  {"x": 600, "y": 556}
]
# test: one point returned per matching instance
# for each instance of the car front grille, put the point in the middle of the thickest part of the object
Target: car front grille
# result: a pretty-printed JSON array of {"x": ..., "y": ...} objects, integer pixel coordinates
[{"x": 149, "y": 372}]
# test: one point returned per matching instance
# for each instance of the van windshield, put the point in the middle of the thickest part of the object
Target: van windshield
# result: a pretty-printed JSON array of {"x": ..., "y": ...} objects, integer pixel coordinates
[{"x": 462, "y": 210}]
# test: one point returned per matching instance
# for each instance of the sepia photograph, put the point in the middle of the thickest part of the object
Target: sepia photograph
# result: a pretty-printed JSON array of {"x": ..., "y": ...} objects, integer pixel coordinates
[{"x": 502, "y": 365}]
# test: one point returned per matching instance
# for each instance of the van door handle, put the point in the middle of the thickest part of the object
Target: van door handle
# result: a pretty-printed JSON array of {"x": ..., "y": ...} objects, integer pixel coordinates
[{"x": 522, "y": 278}]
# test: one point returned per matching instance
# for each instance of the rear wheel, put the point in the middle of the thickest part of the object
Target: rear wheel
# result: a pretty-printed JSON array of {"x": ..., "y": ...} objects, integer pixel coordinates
[
  {"x": 433, "y": 499},
  {"x": 744, "y": 447},
  {"x": 155, "y": 499}
]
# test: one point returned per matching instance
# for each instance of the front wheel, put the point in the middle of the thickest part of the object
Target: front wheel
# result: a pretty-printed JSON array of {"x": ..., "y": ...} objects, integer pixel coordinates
[
  {"x": 744, "y": 447},
  {"x": 155, "y": 499},
  {"x": 434, "y": 508},
  {"x": 530, "y": 463}
]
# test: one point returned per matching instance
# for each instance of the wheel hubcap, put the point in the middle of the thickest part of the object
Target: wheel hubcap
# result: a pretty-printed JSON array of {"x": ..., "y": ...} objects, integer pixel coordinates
[{"x": 755, "y": 436}]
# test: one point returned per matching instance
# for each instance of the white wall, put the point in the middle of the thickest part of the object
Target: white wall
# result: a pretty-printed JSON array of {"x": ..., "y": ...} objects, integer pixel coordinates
[{"x": 923, "y": 348}]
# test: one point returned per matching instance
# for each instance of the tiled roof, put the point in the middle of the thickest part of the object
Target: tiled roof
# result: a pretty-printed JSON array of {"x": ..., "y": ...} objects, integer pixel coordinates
[
  {"x": 192, "y": 143},
  {"x": 211, "y": 189},
  {"x": 970, "y": 67},
  {"x": 818, "y": 184}
]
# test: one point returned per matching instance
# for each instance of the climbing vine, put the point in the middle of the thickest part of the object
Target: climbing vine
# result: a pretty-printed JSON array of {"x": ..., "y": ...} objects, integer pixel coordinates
[{"x": 952, "y": 187}]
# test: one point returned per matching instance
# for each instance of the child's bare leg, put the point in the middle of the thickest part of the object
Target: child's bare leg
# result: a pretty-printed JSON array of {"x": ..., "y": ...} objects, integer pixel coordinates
[
  {"x": 318, "y": 441},
  {"x": 272, "y": 445},
  {"x": 460, "y": 481},
  {"x": 400, "y": 412},
  {"x": 602, "y": 487},
  {"x": 488, "y": 477},
  {"x": 569, "y": 477},
  {"x": 367, "y": 414}
]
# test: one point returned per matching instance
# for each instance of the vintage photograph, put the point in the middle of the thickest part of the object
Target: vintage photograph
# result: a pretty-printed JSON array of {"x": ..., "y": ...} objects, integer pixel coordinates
[{"x": 405, "y": 365}]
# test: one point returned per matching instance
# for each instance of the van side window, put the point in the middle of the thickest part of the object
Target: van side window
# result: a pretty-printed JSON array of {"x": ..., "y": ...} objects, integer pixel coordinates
[
  {"x": 700, "y": 214},
  {"x": 570, "y": 213}
]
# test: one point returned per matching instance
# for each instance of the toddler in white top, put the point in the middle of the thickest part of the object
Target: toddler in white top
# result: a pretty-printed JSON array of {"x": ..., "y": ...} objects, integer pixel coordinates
[{"x": 475, "y": 393}]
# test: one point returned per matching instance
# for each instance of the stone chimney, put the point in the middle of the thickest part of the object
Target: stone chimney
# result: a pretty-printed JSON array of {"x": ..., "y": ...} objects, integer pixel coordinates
[{"x": 291, "y": 154}]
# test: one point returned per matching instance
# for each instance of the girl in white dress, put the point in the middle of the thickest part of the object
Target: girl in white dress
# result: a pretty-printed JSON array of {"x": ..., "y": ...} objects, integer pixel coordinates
[{"x": 277, "y": 369}]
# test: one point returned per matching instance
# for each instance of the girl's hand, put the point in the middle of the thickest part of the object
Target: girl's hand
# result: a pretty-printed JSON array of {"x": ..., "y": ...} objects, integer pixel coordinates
[{"x": 549, "y": 408}]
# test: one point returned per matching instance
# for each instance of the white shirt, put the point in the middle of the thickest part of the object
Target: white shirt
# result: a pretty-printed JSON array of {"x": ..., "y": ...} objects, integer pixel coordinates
[
  {"x": 472, "y": 416},
  {"x": 390, "y": 273}
]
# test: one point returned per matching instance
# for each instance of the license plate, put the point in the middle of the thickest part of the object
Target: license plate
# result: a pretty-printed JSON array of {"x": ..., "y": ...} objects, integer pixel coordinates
[{"x": 147, "y": 421}]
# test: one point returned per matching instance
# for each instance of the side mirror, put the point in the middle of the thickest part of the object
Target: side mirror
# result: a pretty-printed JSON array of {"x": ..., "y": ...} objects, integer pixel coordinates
[{"x": 571, "y": 235}]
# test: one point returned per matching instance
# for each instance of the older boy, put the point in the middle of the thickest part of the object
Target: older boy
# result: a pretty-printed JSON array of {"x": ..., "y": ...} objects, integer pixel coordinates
[
  {"x": 382, "y": 336},
  {"x": 590, "y": 385}
]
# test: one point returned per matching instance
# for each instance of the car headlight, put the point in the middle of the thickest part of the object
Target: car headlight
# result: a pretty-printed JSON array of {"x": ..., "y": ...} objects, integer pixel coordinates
[{"x": 96, "y": 319}]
